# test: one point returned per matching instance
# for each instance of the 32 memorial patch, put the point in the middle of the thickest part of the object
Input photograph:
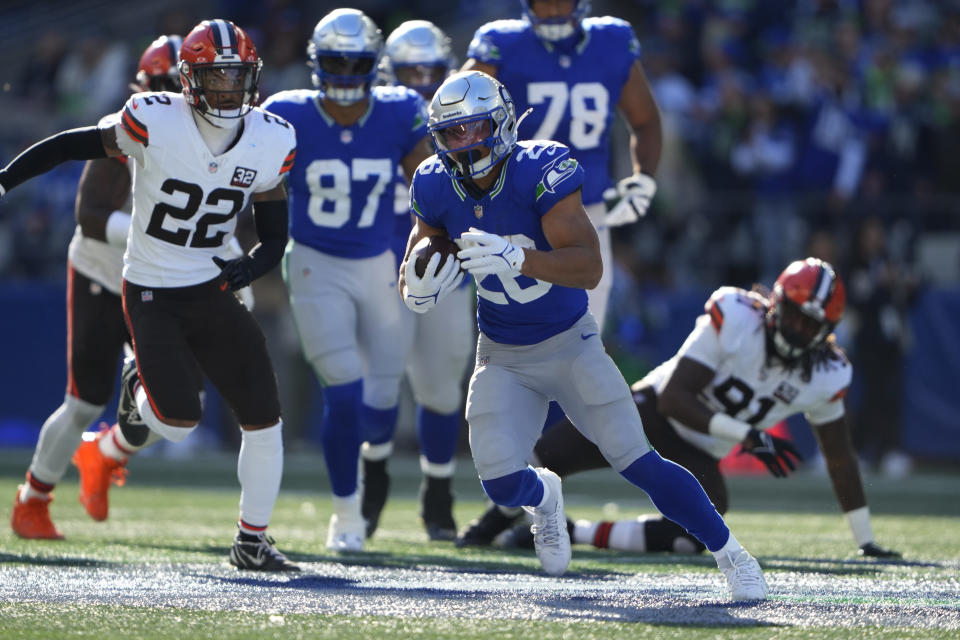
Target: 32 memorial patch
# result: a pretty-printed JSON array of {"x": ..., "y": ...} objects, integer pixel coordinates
[{"x": 243, "y": 177}]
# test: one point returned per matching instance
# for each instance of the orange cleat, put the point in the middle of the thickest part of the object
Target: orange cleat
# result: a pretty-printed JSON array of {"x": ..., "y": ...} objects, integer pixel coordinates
[
  {"x": 97, "y": 471},
  {"x": 31, "y": 519}
]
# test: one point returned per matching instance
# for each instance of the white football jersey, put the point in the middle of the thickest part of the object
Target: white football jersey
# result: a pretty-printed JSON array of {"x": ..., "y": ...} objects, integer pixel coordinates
[
  {"x": 96, "y": 259},
  {"x": 185, "y": 198},
  {"x": 730, "y": 339}
]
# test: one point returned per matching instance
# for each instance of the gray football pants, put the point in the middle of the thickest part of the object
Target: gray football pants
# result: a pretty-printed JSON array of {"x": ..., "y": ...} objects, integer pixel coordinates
[{"x": 512, "y": 386}]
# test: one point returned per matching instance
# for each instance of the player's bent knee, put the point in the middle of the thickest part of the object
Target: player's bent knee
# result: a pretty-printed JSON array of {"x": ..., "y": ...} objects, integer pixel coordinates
[
  {"x": 381, "y": 392},
  {"x": 443, "y": 401},
  {"x": 338, "y": 367},
  {"x": 174, "y": 430}
]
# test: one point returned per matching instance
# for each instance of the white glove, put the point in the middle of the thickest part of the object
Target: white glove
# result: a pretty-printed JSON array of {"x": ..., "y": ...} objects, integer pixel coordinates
[
  {"x": 635, "y": 193},
  {"x": 488, "y": 253},
  {"x": 422, "y": 294}
]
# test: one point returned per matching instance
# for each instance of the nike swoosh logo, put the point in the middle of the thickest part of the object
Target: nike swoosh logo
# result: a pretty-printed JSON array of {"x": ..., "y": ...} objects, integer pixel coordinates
[
  {"x": 420, "y": 302},
  {"x": 585, "y": 336}
]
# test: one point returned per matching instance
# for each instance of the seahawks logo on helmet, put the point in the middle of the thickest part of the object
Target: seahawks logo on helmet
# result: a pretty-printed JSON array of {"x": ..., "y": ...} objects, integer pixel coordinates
[{"x": 556, "y": 172}]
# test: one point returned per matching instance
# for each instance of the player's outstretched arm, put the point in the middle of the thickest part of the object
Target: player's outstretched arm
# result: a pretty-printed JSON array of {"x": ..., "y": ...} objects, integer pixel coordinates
[
  {"x": 837, "y": 448},
  {"x": 103, "y": 190},
  {"x": 639, "y": 107},
  {"x": 643, "y": 116},
  {"x": 270, "y": 217},
  {"x": 86, "y": 143}
]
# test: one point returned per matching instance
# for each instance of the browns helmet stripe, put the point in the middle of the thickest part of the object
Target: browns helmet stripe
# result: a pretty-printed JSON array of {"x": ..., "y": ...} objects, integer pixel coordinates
[
  {"x": 816, "y": 294},
  {"x": 224, "y": 37},
  {"x": 174, "y": 53}
]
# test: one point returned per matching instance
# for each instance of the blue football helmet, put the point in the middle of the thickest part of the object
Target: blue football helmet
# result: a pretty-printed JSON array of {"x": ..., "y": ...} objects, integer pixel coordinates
[
  {"x": 473, "y": 123},
  {"x": 554, "y": 29},
  {"x": 417, "y": 55},
  {"x": 344, "y": 52}
]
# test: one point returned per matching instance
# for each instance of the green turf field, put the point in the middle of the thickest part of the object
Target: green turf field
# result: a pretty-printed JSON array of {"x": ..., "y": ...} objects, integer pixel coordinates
[{"x": 157, "y": 568}]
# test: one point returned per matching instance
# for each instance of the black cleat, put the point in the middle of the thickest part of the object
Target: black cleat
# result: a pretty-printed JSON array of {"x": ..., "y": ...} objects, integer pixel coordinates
[
  {"x": 376, "y": 486},
  {"x": 127, "y": 413},
  {"x": 521, "y": 537},
  {"x": 436, "y": 508},
  {"x": 481, "y": 532},
  {"x": 257, "y": 553}
]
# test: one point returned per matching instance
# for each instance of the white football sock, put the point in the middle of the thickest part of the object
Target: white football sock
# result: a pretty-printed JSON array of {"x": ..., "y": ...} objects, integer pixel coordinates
[
  {"x": 629, "y": 535},
  {"x": 731, "y": 545},
  {"x": 173, "y": 434},
  {"x": 115, "y": 445},
  {"x": 436, "y": 469},
  {"x": 60, "y": 436},
  {"x": 259, "y": 469},
  {"x": 375, "y": 452}
]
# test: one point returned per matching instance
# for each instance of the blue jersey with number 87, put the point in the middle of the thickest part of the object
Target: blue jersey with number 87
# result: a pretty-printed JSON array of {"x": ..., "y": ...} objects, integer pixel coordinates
[
  {"x": 341, "y": 185},
  {"x": 512, "y": 308},
  {"x": 573, "y": 95}
]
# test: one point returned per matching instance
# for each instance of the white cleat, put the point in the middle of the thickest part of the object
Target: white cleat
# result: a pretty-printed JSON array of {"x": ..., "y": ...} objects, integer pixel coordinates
[
  {"x": 744, "y": 575},
  {"x": 550, "y": 536},
  {"x": 346, "y": 533}
]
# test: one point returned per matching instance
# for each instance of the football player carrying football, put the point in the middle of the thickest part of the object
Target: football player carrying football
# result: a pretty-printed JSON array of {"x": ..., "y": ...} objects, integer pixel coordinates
[
  {"x": 339, "y": 266},
  {"x": 418, "y": 55},
  {"x": 201, "y": 156},
  {"x": 750, "y": 362},
  {"x": 576, "y": 72},
  {"x": 515, "y": 208}
]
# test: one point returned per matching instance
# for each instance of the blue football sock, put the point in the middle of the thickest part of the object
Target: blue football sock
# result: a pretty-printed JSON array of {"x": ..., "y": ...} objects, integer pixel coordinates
[
  {"x": 340, "y": 435},
  {"x": 676, "y": 493},
  {"x": 515, "y": 489},
  {"x": 438, "y": 434},
  {"x": 379, "y": 425}
]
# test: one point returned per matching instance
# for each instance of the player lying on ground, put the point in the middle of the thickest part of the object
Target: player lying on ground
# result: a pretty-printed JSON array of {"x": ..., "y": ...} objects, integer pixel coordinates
[{"x": 750, "y": 362}]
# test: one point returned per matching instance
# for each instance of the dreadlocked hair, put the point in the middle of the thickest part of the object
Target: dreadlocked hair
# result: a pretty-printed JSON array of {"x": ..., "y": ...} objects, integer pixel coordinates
[{"x": 819, "y": 357}]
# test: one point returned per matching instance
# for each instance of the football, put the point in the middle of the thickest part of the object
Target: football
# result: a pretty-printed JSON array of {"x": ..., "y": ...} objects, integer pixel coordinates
[{"x": 426, "y": 247}]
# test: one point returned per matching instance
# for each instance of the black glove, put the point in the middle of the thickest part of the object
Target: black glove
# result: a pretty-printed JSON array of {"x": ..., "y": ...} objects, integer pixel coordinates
[
  {"x": 873, "y": 551},
  {"x": 772, "y": 451},
  {"x": 238, "y": 272}
]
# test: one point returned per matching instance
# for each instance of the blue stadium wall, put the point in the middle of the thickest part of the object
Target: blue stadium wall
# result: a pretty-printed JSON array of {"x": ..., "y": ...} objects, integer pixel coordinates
[{"x": 33, "y": 370}]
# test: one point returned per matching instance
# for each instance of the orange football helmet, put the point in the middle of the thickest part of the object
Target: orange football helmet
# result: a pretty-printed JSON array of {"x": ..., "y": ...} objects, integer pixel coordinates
[
  {"x": 807, "y": 303},
  {"x": 157, "y": 70},
  {"x": 220, "y": 71}
]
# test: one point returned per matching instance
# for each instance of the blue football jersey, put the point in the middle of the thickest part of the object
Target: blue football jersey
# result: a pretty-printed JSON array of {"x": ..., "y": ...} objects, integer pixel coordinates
[
  {"x": 537, "y": 175},
  {"x": 574, "y": 96},
  {"x": 341, "y": 186}
]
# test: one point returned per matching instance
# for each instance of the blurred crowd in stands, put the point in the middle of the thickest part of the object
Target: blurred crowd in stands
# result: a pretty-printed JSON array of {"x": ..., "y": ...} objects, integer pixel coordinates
[{"x": 792, "y": 127}]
